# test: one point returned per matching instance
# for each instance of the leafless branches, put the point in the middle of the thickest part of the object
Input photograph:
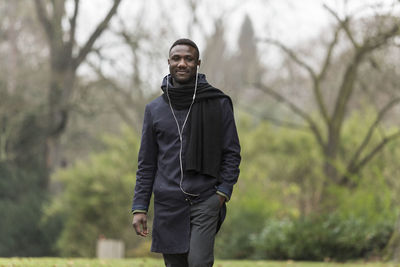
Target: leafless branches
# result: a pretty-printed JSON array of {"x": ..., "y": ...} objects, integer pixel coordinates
[
  {"x": 97, "y": 32},
  {"x": 280, "y": 98},
  {"x": 63, "y": 64},
  {"x": 51, "y": 23},
  {"x": 333, "y": 121}
]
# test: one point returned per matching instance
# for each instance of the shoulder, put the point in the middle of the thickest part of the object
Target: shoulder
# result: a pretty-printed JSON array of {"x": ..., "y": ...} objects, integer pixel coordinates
[
  {"x": 224, "y": 99},
  {"x": 157, "y": 107},
  {"x": 226, "y": 102},
  {"x": 155, "y": 104}
]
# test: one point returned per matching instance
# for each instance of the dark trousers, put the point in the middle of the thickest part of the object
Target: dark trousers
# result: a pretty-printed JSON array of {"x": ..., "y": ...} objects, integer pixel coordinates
[{"x": 203, "y": 227}]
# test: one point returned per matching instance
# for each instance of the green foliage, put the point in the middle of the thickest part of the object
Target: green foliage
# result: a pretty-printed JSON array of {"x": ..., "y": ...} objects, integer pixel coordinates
[
  {"x": 321, "y": 238},
  {"x": 147, "y": 262},
  {"x": 233, "y": 240},
  {"x": 23, "y": 191},
  {"x": 284, "y": 207},
  {"x": 97, "y": 195},
  {"x": 21, "y": 199}
]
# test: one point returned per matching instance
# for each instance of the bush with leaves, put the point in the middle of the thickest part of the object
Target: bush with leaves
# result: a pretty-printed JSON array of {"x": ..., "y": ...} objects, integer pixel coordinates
[
  {"x": 321, "y": 238},
  {"x": 283, "y": 194},
  {"x": 97, "y": 196},
  {"x": 21, "y": 199},
  {"x": 23, "y": 191}
]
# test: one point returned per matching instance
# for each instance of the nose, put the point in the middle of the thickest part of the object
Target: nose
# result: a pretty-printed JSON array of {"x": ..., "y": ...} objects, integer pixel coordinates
[{"x": 182, "y": 63}]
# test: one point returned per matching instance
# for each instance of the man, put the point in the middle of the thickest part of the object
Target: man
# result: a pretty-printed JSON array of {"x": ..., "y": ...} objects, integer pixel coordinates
[{"x": 189, "y": 158}]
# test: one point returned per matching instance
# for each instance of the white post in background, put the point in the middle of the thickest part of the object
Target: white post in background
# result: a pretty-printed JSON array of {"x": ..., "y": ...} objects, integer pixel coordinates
[{"x": 110, "y": 248}]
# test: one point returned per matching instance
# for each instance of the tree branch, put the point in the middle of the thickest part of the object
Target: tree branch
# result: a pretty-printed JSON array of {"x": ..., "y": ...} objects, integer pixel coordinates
[
  {"x": 371, "y": 130},
  {"x": 380, "y": 39},
  {"x": 315, "y": 78},
  {"x": 345, "y": 91},
  {"x": 127, "y": 97},
  {"x": 375, "y": 151},
  {"x": 328, "y": 57},
  {"x": 344, "y": 24},
  {"x": 127, "y": 117},
  {"x": 291, "y": 54},
  {"x": 122, "y": 112},
  {"x": 44, "y": 18},
  {"x": 347, "y": 86},
  {"x": 96, "y": 34},
  {"x": 72, "y": 22},
  {"x": 321, "y": 76},
  {"x": 295, "y": 109},
  {"x": 275, "y": 121}
]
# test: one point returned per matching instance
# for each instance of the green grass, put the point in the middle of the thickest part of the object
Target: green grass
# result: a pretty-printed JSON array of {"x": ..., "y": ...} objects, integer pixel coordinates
[{"x": 147, "y": 262}]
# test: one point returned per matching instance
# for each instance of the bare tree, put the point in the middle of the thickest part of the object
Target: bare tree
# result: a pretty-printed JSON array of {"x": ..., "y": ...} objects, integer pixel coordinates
[
  {"x": 328, "y": 136},
  {"x": 20, "y": 50},
  {"x": 65, "y": 57}
]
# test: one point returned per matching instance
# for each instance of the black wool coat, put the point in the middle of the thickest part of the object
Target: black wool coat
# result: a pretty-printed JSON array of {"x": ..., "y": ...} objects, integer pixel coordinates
[{"x": 159, "y": 173}]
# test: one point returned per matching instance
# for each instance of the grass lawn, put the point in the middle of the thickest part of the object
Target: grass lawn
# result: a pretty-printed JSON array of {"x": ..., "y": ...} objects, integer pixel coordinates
[{"x": 147, "y": 262}]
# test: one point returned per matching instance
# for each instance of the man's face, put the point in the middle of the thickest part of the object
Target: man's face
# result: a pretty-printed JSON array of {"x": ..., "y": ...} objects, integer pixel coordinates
[{"x": 183, "y": 61}]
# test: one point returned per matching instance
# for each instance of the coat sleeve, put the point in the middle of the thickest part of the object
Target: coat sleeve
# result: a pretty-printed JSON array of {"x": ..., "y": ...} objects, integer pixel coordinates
[
  {"x": 230, "y": 161},
  {"x": 147, "y": 165}
]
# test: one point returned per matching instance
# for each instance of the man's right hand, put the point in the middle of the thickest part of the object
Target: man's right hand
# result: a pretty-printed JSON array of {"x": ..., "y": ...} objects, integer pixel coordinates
[{"x": 139, "y": 223}]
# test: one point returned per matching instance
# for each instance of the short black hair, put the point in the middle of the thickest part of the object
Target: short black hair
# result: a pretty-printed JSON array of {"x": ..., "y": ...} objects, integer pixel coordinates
[{"x": 185, "y": 41}]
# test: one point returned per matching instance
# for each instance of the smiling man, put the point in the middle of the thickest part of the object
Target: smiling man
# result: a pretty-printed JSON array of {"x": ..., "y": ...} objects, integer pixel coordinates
[{"x": 189, "y": 159}]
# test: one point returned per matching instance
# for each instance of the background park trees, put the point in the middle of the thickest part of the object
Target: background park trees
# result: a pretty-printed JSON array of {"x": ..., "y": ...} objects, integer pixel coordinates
[
  {"x": 334, "y": 107},
  {"x": 65, "y": 57},
  {"x": 318, "y": 126}
]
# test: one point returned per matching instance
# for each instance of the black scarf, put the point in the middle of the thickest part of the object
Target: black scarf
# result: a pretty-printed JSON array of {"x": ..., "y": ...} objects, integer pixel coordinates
[{"x": 204, "y": 146}]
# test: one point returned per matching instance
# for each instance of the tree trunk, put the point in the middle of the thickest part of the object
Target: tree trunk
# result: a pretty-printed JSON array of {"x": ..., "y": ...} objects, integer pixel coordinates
[
  {"x": 330, "y": 153},
  {"x": 61, "y": 86},
  {"x": 63, "y": 67},
  {"x": 392, "y": 250}
]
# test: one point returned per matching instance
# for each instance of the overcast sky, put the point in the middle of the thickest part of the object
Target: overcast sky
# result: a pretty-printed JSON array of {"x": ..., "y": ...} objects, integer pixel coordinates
[{"x": 290, "y": 21}]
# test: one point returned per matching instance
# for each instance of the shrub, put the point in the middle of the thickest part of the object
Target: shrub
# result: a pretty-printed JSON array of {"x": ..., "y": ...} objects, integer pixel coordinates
[
  {"x": 96, "y": 197},
  {"x": 21, "y": 200},
  {"x": 320, "y": 238}
]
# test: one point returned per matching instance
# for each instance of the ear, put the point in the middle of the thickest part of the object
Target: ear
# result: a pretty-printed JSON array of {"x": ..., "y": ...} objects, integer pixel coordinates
[
  {"x": 198, "y": 63},
  {"x": 168, "y": 62}
]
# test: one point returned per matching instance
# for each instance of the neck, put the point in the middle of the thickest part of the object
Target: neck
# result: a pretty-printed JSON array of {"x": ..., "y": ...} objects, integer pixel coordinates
[{"x": 191, "y": 82}]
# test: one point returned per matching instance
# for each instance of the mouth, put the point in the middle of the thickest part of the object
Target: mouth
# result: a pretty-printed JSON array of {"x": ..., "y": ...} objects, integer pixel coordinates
[{"x": 181, "y": 71}]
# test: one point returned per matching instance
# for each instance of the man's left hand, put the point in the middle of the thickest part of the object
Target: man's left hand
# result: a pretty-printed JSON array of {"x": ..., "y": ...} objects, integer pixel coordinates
[{"x": 221, "y": 200}]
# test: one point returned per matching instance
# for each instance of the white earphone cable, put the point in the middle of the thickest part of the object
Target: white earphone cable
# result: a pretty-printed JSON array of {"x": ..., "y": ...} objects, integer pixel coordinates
[{"x": 180, "y": 131}]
